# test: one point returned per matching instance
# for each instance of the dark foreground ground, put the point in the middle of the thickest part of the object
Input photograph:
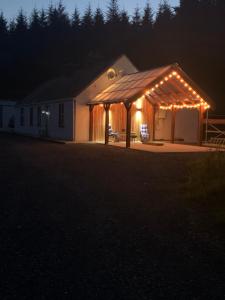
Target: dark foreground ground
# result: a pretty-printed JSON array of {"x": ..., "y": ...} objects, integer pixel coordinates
[{"x": 95, "y": 222}]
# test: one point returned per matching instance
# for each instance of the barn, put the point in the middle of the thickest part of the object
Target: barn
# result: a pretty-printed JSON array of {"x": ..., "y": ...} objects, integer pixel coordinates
[{"x": 117, "y": 102}]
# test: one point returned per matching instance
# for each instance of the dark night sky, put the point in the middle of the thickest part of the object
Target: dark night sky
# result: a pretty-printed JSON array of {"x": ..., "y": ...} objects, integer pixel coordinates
[{"x": 11, "y": 7}]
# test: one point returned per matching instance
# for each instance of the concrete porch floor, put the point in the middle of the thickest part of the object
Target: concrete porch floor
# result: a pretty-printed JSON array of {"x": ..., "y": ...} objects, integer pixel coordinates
[{"x": 166, "y": 148}]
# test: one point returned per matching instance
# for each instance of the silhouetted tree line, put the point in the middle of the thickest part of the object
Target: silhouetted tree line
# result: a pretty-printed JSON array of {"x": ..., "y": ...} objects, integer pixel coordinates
[{"x": 50, "y": 43}]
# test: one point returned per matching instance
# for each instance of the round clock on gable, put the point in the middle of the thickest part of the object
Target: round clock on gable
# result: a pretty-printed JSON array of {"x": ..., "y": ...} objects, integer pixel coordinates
[{"x": 111, "y": 74}]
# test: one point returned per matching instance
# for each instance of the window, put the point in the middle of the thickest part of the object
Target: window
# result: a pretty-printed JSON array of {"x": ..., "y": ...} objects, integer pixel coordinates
[
  {"x": 22, "y": 116},
  {"x": 1, "y": 116},
  {"x": 39, "y": 116},
  {"x": 31, "y": 116},
  {"x": 61, "y": 115}
]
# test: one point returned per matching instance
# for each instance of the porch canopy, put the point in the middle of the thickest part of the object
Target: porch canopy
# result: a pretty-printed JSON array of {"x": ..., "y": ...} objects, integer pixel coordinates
[{"x": 168, "y": 88}]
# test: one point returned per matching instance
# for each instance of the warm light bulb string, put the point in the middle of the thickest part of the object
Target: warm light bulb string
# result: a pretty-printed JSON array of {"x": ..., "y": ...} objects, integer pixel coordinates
[{"x": 175, "y": 75}]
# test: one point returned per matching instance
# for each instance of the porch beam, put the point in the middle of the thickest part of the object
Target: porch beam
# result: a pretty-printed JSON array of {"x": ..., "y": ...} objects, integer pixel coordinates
[
  {"x": 128, "y": 106},
  {"x": 154, "y": 108},
  {"x": 200, "y": 125},
  {"x": 106, "y": 108},
  {"x": 91, "y": 122}
]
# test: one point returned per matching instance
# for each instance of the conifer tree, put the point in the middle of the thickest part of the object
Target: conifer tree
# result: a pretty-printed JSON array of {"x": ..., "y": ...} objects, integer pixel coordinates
[
  {"x": 43, "y": 19},
  {"x": 87, "y": 20},
  {"x": 76, "y": 21},
  {"x": 124, "y": 18},
  {"x": 99, "y": 19},
  {"x": 35, "y": 24},
  {"x": 21, "y": 23},
  {"x": 137, "y": 19},
  {"x": 113, "y": 14},
  {"x": 3, "y": 25},
  {"x": 147, "y": 20},
  {"x": 164, "y": 16},
  {"x": 12, "y": 27}
]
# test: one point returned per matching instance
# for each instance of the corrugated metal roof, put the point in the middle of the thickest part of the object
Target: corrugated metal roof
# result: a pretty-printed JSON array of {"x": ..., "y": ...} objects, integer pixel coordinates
[{"x": 130, "y": 85}]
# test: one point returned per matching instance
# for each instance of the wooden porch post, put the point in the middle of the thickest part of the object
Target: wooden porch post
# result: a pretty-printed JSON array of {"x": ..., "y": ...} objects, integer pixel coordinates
[
  {"x": 91, "y": 122},
  {"x": 128, "y": 127},
  {"x": 200, "y": 125},
  {"x": 106, "y": 107},
  {"x": 173, "y": 124},
  {"x": 153, "y": 121}
]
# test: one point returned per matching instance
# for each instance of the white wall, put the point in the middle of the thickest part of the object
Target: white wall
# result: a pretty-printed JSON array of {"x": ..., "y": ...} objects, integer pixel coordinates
[
  {"x": 8, "y": 112},
  {"x": 186, "y": 126},
  {"x": 163, "y": 125},
  {"x": 76, "y": 113},
  {"x": 122, "y": 67},
  {"x": 54, "y": 131}
]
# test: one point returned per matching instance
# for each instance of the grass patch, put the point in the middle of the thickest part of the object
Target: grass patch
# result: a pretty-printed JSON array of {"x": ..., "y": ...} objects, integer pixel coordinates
[{"x": 206, "y": 184}]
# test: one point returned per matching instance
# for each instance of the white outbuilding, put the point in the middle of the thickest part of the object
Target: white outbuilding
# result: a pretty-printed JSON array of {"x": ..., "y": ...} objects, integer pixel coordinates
[
  {"x": 116, "y": 101},
  {"x": 7, "y": 115}
]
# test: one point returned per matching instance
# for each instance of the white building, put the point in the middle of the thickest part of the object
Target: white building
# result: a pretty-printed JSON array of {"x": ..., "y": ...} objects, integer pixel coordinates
[
  {"x": 7, "y": 115},
  {"x": 81, "y": 108}
]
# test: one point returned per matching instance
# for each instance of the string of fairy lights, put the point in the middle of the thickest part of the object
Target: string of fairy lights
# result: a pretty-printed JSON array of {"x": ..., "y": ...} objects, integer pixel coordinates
[{"x": 175, "y": 75}]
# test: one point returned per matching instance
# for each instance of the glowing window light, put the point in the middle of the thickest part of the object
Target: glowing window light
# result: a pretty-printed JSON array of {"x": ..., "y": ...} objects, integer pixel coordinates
[
  {"x": 139, "y": 103},
  {"x": 138, "y": 115}
]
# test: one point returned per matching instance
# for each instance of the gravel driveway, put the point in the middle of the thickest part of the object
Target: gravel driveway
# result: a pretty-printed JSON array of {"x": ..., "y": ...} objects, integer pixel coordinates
[{"x": 95, "y": 222}]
